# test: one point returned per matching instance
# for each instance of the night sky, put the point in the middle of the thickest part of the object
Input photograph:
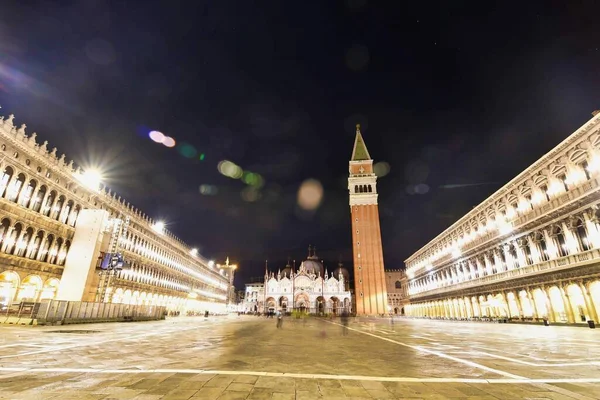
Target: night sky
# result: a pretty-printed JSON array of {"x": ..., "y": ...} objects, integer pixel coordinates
[{"x": 456, "y": 97}]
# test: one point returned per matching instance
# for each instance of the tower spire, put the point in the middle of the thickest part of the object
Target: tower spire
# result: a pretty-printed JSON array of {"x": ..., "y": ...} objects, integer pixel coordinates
[{"x": 360, "y": 152}]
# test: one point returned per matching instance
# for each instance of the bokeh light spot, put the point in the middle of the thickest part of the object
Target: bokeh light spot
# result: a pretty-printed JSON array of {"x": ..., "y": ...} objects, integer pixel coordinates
[
  {"x": 157, "y": 136},
  {"x": 250, "y": 194},
  {"x": 310, "y": 194},
  {"x": 208, "y": 190},
  {"x": 169, "y": 141},
  {"x": 230, "y": 169},
  {"x": 202, "y": 156},
  {"x": 187, "y": 150},
  {"x": 381, "y": 169},
  {"x": 421, "y": 188}
]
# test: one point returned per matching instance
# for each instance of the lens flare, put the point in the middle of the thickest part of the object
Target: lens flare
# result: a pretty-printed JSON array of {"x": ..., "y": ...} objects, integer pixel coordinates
[
  {"x": 310, "y": 194},
  {"x": 157, "y": 136},
  {"x": 169, "y": 141},
  {"x": 230, "y": 169},
  {"x": 381, "y": 169},
  {"x": 187, "y": 150}
]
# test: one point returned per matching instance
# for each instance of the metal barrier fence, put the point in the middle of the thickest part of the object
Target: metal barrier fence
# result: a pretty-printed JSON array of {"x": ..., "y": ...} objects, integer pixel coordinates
[{"x": 72, "y": 312}]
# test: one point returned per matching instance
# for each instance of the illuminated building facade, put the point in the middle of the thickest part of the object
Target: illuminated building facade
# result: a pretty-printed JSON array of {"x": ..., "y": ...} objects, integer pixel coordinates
[
  {"x": 310, "y": 289},
  {"x": 396, "y": 284},
  {"x": 369, "y": 278},
  {"x": 56, "y": 221},
  {"x": 530, "y": 251},
  {"x": 254, "y": 297}
]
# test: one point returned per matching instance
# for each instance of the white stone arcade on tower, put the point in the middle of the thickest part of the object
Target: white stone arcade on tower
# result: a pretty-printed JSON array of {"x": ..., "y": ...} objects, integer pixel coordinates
[{"x": 311, "y": 289}]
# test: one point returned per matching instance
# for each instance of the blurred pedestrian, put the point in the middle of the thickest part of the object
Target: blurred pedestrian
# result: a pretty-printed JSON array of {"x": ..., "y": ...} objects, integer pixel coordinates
[{"x": 345, "y": 318}]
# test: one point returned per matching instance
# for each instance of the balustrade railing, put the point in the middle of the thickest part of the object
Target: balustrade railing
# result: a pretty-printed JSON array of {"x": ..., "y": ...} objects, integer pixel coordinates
[
  {"x": 570, "y": 260},
  {"x": 526, "y": 217}
]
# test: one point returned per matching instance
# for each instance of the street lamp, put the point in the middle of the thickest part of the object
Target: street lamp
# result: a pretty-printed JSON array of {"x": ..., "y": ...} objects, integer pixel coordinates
[
  {"x": 194, "y": 252},
  {"x": 91, "y": 178},
  {"x": 231, "y": 289},
  {"x": 159, "y": 227}
]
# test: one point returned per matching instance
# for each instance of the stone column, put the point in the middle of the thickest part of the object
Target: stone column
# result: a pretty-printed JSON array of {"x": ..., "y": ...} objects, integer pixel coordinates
[
  {"x": 521, "y": 254},
  {"x": 550, "y": 245},
  {"x": 567, "y": 304},
  {"x": 33, "y": 196},
  {"x": 519, "y": 305},
  {"x": 571, "y": 239},
  {"x": 9, "y": 186},
  {"x": 589, "y": 304},
  {"x": 43, "y": 242},
  {"x": 7, "y": 237},
  {"x": 591, "y": 224},
  {"x": 22, "y": 192},
  {"x": 531, "y": 298},
  {"x": 19, "y": 239}
]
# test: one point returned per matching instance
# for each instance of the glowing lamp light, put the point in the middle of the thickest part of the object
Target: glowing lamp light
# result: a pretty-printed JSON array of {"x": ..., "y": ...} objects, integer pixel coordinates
[
  {"x": 194, "y": 252},
  {"x": 159, "y": 227},
  {"x": 211, "y": 263},
  {"x": 91, "y": 178}
]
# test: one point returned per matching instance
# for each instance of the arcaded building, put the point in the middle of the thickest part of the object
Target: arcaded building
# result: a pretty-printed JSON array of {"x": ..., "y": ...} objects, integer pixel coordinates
[
  {"x": 396, "y": 284},
  {"x": 57, "y": 222},
  {"x": 530, "y": 251}
]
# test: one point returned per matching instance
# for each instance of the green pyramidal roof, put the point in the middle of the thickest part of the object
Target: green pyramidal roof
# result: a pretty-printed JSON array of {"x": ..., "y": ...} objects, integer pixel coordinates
[{"x": 360, "y": 151}]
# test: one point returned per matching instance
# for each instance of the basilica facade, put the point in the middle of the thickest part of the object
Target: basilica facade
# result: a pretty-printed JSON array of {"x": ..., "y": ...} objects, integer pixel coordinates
[{"x": 311, "y": 289}]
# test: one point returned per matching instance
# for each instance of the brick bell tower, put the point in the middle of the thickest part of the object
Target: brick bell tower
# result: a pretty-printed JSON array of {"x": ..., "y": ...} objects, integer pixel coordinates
[{"x": 369, "y": 280}]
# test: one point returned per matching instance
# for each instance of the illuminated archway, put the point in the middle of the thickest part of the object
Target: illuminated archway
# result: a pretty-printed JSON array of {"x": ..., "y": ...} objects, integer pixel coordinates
[
  {"x": 526, "y": 304},
  {"x": 513, "y": 307},
  {"x": 578, "y": 303},
  {"x": 540, "y": 303},
  {"x": 49, "y": 289},
  {"x": 559, "y": 313},
  {"x": 9, "y": 284},
  {"x": 117, "y": 296},
  {"x": 127, "y": 297},
  {"x": 30, "y": 288}
]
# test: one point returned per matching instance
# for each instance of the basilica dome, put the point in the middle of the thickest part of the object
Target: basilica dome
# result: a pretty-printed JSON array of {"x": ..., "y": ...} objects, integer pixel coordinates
[
  {"x": 287, "y": 271},
  {"x": 343, "y": 271},
  {"x": 313, "y": 266}
]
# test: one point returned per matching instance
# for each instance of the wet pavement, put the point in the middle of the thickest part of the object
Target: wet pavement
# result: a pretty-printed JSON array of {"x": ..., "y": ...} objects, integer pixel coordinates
[{"x": 249, "y": 358}]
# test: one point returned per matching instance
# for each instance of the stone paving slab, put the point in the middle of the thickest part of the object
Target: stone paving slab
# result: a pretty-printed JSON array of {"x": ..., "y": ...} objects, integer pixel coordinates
[
  {"x": 186, "y": 386},
  {"x": 249, "y": 358}
]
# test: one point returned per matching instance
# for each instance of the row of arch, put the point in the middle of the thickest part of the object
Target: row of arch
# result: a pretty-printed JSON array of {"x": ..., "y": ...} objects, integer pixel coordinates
[
  {"x": 33, "y": 288},
  {"x": 33, "y": 194},
  {"x": 576, "y": 234},
  {"x": 581, "y": 164},
  {"x": 363, "y": 189},
  {"x": 28, "y": 193},
  {"x": 575, "y": 302},
  {"x": 140, "y": 273},
  {"x": 25, "y": 241},
  {"x": 155, "y": 253},
  {"x": 320, "y": 305}
]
